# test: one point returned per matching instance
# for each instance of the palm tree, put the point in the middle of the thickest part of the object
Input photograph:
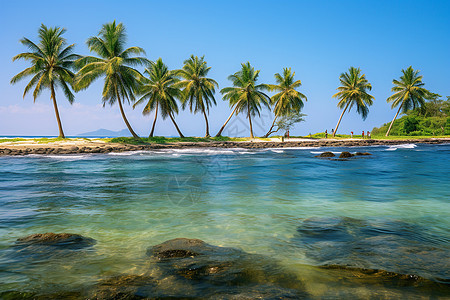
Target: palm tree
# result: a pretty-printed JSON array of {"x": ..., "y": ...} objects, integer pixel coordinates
[
  {"x": 51, "y": 64},
  {"x": 288, "y": 100},
  {"x": 245, "y": 95},
  {"x": 115, "y": 63},
  {"x": 408, "y": 93},
  {"x": 353, "y": 91},
  {"x": 198, "y": 90},
  {"x": 161, "y": 92}
]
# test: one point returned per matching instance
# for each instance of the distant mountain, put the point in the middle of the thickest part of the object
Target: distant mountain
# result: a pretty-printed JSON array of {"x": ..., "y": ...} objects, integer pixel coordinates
[{"x": 105, "y": 133}]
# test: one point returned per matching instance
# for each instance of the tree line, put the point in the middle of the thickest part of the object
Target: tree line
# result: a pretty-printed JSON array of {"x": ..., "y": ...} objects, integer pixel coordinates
[{"x": 55, "y": 65}]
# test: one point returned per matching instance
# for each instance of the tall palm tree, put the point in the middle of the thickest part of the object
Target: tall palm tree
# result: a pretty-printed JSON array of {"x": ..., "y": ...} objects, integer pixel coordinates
[
  {"x": 198, "y": 90},
  {"x": 288, "y": 100},
  {"x": 51, "y": 64},
  {"x": 115, "y": 63},
  {"x": 353, "y": 91},
  {"x": 408, "y": 93},
  {"x": 245, "y": 96},
  {"x": 160, "y": 91}
]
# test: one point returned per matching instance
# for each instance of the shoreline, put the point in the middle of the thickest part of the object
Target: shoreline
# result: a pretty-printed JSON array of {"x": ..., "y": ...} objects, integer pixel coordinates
[{"x": 100, "y": 146}]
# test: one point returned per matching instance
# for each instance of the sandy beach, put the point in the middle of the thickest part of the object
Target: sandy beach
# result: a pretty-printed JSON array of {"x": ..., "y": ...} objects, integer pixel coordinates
[{"x": 72, "y": 146}]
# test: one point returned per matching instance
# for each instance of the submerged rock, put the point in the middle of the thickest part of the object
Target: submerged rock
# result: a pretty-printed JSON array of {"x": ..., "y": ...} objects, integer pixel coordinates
[
  {"x": 362, "y": 276},
  {"x": 377, "y": 244},
  {"x": 345, "y": 154},
  {"x": 60, "y": 240},
  {"x": 362, "y": 153},
  {"x": 326, "y": 154},
  {"x": 45, "y": 246}
]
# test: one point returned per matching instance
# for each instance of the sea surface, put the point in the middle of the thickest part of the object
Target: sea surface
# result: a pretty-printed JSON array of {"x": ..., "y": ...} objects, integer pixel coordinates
[{"x": 388, "y": 211}]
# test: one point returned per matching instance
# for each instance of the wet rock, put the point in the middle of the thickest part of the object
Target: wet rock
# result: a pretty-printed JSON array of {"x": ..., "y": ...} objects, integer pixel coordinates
[
  {"x": 326, "y": 154},
  {"x": 359, "y": 276},
  {"x": 345, "y": 154},
  {"x": 362, "y": 153},
  {"x": 395, "y": 246},
  {"x": 51, "y": 245},
  {"x": 63, "y": 240},
  {"x": 125, "y": 287},
  {"x": 221, "y": 272}
]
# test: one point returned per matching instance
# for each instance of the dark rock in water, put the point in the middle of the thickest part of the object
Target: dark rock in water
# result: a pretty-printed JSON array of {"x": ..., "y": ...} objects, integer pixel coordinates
[
  {"x": 358, "y": 276},
  {"x": 362, "y": 153},
  {"x": 345, "y": 154},
  {"x": 126, "y": 287},
  {"x": 221, "y": 272},
  {"x": 15, "y": 295},
  {"x": 61, "y": 240},
  {"x": 326, "y": 154},
  {"x": 377, "y": 244},
  {"x": 45, "y": 246}
]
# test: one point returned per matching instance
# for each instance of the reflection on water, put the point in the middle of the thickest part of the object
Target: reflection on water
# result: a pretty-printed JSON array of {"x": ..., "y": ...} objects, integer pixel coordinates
[{"x": 388, "y": 211}]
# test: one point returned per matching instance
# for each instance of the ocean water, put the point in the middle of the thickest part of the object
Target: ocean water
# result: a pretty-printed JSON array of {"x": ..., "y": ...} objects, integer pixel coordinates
[{"x": 388, "y": 211}]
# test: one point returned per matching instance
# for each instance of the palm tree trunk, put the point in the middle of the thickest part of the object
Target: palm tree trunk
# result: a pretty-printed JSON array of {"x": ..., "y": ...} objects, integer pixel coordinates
[
  {"x": 58, "y": 119},
  {"x": 250, "y": 121},
  {"x": 154, "y": 121},
  {"x": 207, "y": 125},
  {"x": 340, "y": 118},
  {"x": 271, "y": 127},
  {"x": 226, "y": 122},
  {"x": 176, "y": 126},
  {"x": 124, "y": 117},
  {"x": 390, "y": 126}
]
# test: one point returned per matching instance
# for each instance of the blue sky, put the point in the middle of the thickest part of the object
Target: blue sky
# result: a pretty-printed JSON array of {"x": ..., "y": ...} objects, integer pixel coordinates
[{"x": 317, "y": 39}]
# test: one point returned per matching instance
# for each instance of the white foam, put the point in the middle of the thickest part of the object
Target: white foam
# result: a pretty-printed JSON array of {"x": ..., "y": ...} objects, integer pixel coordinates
[
  {"x": 402, "y": 146},
  {"x": 320, "y": 152}
]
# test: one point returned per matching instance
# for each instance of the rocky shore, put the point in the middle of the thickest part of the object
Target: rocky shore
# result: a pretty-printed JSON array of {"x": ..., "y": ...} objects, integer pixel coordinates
[{"x": 69, "y": 147}]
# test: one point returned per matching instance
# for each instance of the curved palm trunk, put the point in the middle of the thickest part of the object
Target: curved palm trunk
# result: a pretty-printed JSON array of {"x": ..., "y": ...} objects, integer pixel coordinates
[
  {"x": 58, "y": 119},
  {"x": 270, "y": 130},
  {"x": 176, "y": 126},
  {"x": 125, "y": 118},
  {"x": 390, "y": 126},
  {"x": 226, "y": 122},
  {"x": 340, "y": 118},
  {"x": 207, "y": 125},
  {"x": 154, "y": 121},
  {"x": 250, "y": 121}
]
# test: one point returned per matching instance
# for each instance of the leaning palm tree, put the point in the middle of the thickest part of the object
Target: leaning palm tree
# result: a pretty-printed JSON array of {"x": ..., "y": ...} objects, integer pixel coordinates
[
  {"x": 353, "y": 91},
  {"x": 288, "y": 100},
  {"x": 408, "y": 93},
  {"x": 160, "y": 91},
  {"x": 51, "y": 64},
  {"x": 198, "y": 90},
  {"x": 115, "y": 63},
  {"x": 245, "y": 96}
]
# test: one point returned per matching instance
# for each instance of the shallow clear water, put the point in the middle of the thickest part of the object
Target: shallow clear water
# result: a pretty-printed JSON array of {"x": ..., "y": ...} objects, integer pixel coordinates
[{"x": 389, "y": 211}]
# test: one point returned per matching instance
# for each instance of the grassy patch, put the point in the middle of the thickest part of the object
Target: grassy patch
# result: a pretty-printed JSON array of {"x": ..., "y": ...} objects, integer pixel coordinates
[{"x": 164, "y": 140}]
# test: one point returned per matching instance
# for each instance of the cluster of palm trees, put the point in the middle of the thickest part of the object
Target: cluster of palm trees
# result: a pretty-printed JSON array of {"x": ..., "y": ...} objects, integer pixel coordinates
[{"x": 53, "y": 64}]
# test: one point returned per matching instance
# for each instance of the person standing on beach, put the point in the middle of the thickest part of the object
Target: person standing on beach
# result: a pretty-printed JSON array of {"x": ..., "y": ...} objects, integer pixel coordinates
[
  {"x": 326, "y": 133},
  {"x": 363, "y": 134},
  {"x": 351, "y": 134},
  {"x": 368, "y": 134}
]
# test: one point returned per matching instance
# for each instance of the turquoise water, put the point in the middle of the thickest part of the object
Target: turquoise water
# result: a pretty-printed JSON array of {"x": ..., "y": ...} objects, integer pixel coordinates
[{"x": 387, "y": 211}]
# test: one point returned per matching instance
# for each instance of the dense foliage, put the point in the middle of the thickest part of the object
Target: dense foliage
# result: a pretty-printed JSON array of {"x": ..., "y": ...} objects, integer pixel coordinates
[{"x": 432, "y": 119}]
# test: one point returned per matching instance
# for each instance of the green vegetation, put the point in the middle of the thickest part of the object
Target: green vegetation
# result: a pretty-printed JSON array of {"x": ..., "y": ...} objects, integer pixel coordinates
[
  {"x": 51, "y": 66},
  {"x": 430, "y": 119},
  {"x": 164, "y": 140},
  {"x": 245, "y": 95},
  {"x": 287, "y": 103},
  {"x": 115, "y": 63},
  {"x": 198, "y": 90},
  {"x": 408, "y": 94},
  {"x": 353, "y": 91},
  {"x": 161, "y": 93}
]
